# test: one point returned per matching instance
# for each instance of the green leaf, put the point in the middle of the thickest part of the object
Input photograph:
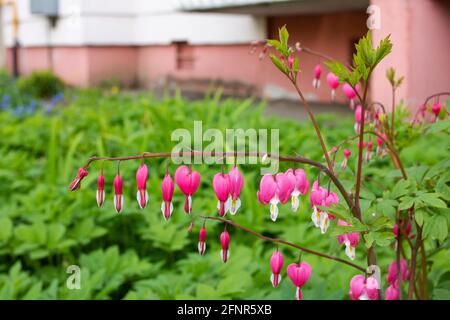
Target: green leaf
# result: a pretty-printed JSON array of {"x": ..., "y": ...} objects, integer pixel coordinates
[
  {"x": 296, "y": 66},
  {"x": 436, "y": 228},
  {"x": 383, "y": 50},
  {"x": 387, "y": 207},
  {"x": 274, "y": 43},
  {"x": 279, "y": 64},
  {"x": 284, "y": 36},
  {"x": 401, "y": 188},
  {"x": 442, "y": 187},
  {"x": 439, "y": 126},
  {"x": 382, "y": 239},
  {"x": 433, "y": 200},
  {"x": 380, "y": 223},
  {"x": 206, "y": 292},
  {"x": 5, "y": 228},
  {"x": 406, "y": 203},
  {"x": 369, "y": 239},
  {"x": 339, "y": 70},
  {"x": 419, "y": 216}
]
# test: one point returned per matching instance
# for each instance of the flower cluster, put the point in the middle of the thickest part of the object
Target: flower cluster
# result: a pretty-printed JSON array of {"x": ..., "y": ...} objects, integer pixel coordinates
[
  {"x": 392, "y": 292},
  {"x": 363, "y": 288},
  {"x": 430, "y": 113},
  {"x": 321, "y": 197},
  {"x": 299, "y": 273},
  {"x": 282, "y": 187},
  {"x": 227, "y": 187}
]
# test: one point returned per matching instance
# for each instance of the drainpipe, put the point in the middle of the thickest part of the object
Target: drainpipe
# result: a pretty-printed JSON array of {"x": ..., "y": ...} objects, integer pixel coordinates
[{"x": 15, "y": 28}]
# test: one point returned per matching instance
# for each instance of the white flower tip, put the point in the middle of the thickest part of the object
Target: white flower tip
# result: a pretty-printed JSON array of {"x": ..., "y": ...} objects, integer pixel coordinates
[
  {"x": 201, "y": 248},
  {"x": 273, "y": 212},
  {"x": 225, "y": 255}
]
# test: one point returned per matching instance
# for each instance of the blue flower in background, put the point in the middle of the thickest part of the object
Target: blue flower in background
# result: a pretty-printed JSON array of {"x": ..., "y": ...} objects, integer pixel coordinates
[{"x": 6, "y": 99}]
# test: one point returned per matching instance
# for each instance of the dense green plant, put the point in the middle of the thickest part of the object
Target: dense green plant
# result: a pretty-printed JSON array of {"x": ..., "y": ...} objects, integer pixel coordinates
[{"x": 41, "y": 84}]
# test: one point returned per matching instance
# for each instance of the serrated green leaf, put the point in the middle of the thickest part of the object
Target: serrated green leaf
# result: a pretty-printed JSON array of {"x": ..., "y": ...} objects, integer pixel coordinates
[
  {"x": 405, "y": 203},
  {"x": 401, "y": 188},
  {"x": 436, "y": 228},
  {"x": 339, "y": 70},
  {"x": 284, "y": 36},
  {"x": 433, "y": 200},
  {"x": 5, "y": 228},
  {"x": 279, "y": 64}
]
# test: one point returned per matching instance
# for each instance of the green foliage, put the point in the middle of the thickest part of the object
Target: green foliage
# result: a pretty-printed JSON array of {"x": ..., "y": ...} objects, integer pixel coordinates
[
  {"x": 365, "y": 60},
  {"x": 137, "y": 255},
  {"x": 285, "y": 51},
  {"x": 390, "y": 75},
  {"x": 41, "y": 84}
]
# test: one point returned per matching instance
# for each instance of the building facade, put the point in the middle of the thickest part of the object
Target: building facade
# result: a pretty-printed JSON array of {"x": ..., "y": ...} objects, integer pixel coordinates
[{"x": 148, "y": 43}]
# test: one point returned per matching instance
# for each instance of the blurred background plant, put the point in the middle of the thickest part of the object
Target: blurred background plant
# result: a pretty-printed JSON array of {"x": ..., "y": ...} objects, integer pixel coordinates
[
  {"x": 137, "y": 255},
  {"x": 25, "y": 95}
]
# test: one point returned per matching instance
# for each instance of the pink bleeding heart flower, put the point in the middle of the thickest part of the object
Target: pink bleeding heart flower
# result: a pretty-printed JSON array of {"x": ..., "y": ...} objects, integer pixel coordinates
[
  {"x": 350, "y": 94},
  {"x": 276, "y": 264},
  {"x": 350, "y": 240},
  {"x": 333, "y": 82},
  {"x": 436, "y": 109},
  {"x": 76, "y": 183},
  {"x": 407, "y": 230},
  {"x": 347, "y": 154},
  {"x": 369, "y": 151},
  {"x": 141, "y": 181},
  {"x": 236, "y": 183},
  {"x": 332, "y": 151},
  {"x": 358, "y": 118},
  {"x": 221, "y": 185},
  {"x": 392, "y": 271},
  {"x": 167, "y": 189},
  {"x": 299, "y": 184},
  {"x": 202, "y": 241},
  {"x": 299, "y": 273},
  {"x": 363, "y": 289},
  {"x": 317, "y": 198},
  {"x": 321, "y": 197},
  {"x": 100, "y": 195},
  {"x": 392, "y": 293},
  {"x": 380, "y": 144},
  {"x": 274, "y": 190},
  {"x": 225, "y": 243},
  {"x": 317, "y": 73},
  {"x": 188, "y": 182},
  {"x": 291, "y": 60},
  {"x": 118, "y": 195}
]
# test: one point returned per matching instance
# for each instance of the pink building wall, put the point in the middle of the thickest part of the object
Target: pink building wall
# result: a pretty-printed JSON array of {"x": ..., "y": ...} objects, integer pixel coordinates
[
  {"x": 81, "y": 66},
  {"x": 420, "y": 31},
  {"x": 334, "y": 33}
]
